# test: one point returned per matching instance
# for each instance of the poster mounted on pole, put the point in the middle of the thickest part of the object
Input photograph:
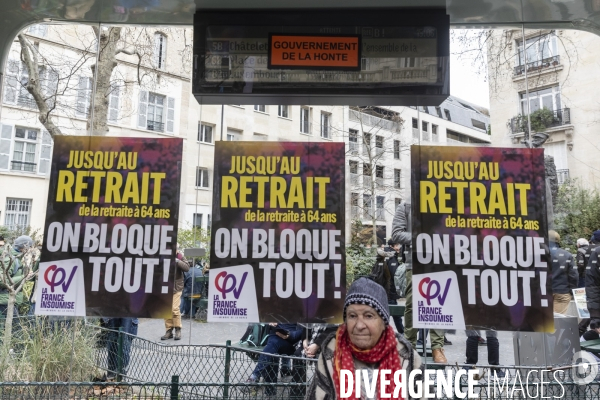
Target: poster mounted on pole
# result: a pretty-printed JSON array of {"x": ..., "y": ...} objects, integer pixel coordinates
[
  {"x": 110, "y": 235},
  {"x": 479, "y": 251},
  {"x": 277, "y": 238}
]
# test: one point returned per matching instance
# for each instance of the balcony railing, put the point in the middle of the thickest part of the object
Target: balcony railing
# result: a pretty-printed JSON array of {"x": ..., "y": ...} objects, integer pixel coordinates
[
  {"x": 560, "y": 117},
  {"x": 416, "y": 134},
  {"x": 562, "y": 176},
  {"x": 379, "y": 182},
  {"x": 355, "y": 210},
  {"x": 535, "y": 66},
  {"x": 367, "y": 180},
  {"x": 374, "y": 121},
  {"x": 354, "y": 179},
  {"x": 353, "y": 147},
  {"x": 23, "y": 166},
  {"x": 155, "y": 126},
  {"x": 367, "y": 213},
  {"x": 380, "y": 214}
]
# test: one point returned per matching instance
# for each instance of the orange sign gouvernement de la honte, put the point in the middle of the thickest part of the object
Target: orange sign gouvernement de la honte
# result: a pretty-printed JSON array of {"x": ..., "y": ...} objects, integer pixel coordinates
[{"x": 315, "y": 51}]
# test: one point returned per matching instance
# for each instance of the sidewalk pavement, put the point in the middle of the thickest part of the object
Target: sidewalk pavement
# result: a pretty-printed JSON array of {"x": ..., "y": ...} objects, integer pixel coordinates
[{"x": 198, "y": 333}]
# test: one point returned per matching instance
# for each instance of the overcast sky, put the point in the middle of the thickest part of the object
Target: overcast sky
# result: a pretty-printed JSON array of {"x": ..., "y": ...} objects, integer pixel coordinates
[{"x": 465, "y": 82}]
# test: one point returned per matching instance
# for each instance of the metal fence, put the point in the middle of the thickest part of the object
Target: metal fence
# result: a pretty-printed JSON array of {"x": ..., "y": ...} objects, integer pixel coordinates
[{"x": 149, "y": 370}]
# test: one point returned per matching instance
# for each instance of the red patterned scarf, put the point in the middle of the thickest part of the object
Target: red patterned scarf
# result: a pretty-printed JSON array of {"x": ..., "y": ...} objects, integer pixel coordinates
[{"x": 385, "y": 353}]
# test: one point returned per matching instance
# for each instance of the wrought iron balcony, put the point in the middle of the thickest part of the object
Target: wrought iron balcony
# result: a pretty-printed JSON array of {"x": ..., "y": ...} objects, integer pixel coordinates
[
  {"x": 23, "y": 166},
  {"x": 537, "y": 65},
  {"x": 155, "y": 126},
  {"x": 560, "y": 117}
]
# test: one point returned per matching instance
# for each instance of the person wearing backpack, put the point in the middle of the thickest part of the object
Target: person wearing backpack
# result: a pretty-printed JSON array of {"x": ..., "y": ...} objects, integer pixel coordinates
[{"x": 401, "y": 233}]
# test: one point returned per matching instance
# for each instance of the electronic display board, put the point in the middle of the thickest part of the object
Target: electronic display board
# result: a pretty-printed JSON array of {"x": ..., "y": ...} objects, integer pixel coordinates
[{"x": 375, "y": 56}]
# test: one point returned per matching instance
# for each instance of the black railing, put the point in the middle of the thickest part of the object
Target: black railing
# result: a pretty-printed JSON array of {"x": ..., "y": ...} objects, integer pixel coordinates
[
  {"x": 23, "y": 166},
  {"x": 537, "y": 65},
  {"x": 560, "y": 117},
  {"x": 155, "y": 126}
]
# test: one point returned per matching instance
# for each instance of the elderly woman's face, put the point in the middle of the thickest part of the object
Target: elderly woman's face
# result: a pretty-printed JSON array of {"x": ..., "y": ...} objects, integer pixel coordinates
[{"x": 365, "y": 326}]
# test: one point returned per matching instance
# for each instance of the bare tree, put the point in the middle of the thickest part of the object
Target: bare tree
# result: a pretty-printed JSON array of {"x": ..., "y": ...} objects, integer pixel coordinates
[
  {"x": 377, "y": 141},
  {"x": 53, "y": 92}
]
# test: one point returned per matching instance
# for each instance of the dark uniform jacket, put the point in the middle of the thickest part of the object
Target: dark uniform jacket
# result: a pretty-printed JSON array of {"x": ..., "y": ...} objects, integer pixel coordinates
[
  {"x": 564, "y": 273},
  {"x": 592, "y": 283}
]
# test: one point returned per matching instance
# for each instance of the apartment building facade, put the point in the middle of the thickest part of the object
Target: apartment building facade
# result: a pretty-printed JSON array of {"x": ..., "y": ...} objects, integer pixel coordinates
[
  {"x": 549, "y": 75},
  {"x": 377, "y": 139}
]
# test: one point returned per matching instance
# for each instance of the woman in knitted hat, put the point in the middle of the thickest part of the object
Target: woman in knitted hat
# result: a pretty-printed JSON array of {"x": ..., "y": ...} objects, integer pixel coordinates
[{"x": 365, "y": 341}]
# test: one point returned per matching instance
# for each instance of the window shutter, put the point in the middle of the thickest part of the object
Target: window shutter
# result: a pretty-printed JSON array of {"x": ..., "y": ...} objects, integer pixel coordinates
[
  {"x": 113, "y": 104},
  {"x": 45, "y": 153},
  {"x": 81, "y": 107},
  {"x": 5, "y": 141},
  {"x": 142, "y": 109},
  {"x": 170, "y": 114},
  {"x": 12, "y": 82}
]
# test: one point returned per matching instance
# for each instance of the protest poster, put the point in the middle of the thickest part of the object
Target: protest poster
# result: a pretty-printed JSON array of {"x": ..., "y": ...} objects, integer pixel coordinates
[
  {"x": 277, "y": 238},
  {"x": 111, "y": 227},
  {"x": 581, "y": 302},
  {"x": 479, "y": 239}
]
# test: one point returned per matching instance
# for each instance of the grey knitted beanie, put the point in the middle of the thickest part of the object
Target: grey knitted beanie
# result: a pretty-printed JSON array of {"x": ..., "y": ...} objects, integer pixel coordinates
[{"x": 370, "y": 293}]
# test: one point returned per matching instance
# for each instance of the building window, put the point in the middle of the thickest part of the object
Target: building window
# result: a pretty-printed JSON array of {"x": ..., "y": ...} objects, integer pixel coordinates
[
  {"x": 205, "y": 133},
  {"x": 379, "y": 171},
  {"x": 538, "y": 48},
  {"x": 367, "y": 169},
  {"x": 84, "y": 96},
  {"x": 282, "y": 111},
  {"x": 434, "y": 129},
  {"x": 233, "y": 135},
  {"x": 478, "y": 124},
  {"x": 367, "y": 206},
  {"x": 154, "y": 110},
  {"x": 353, "y": 167},
  {"x": 305, "y": 120},
  {"x": 396, "y": 149},
  {"x": 202, "y": 177},
  {"x": 380, "y": 201},
  {"x": 156, "y": 105},
  {"x": 17, "y": 213},
  {"x": 415, "y": 123},
  {"x": 438, "y": 112},
  {"x": 447, "y": 114},
  {"x": 160, "y": 50},
  {"x": 40, "y": 30},
  {"x": 538, "y": 99},
  {"x": 397, "y": 178},
  {"x": 367, "y": 143},
  {"x": 208, "y": 223},
  {"x": 354, "y": 207},
  {"x": 325, "y": 125},
  {"x": 24, "y": 150},
  {"x": 260, "y": 108},
  {"x": 425, "y": 126},
  {"x": 379, "y": 145},
  {"x": 425, "y": 109},
  {"x": 397, "y": 202},
  {"x": 113, "y": 103},
  {"x": 197, "y": 221},
  {"x": 353, "y": 140}
]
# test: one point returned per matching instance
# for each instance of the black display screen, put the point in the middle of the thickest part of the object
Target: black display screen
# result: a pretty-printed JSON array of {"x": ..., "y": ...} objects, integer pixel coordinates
[{"x": 376, "y": 56}]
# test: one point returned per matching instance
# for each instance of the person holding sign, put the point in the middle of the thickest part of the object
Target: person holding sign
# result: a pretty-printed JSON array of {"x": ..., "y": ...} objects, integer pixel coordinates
[
  {"x": 174, "y": 323},
  {"x": 365, "y": 342},
  {"x": 401, "y": 234},
  {"x": 564, "y": 274}
]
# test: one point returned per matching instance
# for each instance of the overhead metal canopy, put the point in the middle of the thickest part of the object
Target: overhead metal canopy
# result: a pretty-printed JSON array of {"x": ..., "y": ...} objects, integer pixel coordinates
[{"x": 554, "y": 14}]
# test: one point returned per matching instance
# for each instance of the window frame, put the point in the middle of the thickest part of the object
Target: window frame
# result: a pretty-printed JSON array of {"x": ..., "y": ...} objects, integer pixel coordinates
[
  {"x": 200, "y": 173},
  {"x": 260, "y": 108},
  {"x": 160, "y": 50},
  {"x": 325, "y": 125},
  {"x": 16, "y": 213},
  {"x": 305, "y": 120},
  {"x": 202, "y": 133},
  {"x": 283, "y": 111}
]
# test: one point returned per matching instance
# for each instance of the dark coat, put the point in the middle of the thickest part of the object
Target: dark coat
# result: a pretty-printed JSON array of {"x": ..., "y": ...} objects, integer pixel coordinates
[
  {"x": 564, "y": 273},
  {"x": 592, "y": 283}
]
